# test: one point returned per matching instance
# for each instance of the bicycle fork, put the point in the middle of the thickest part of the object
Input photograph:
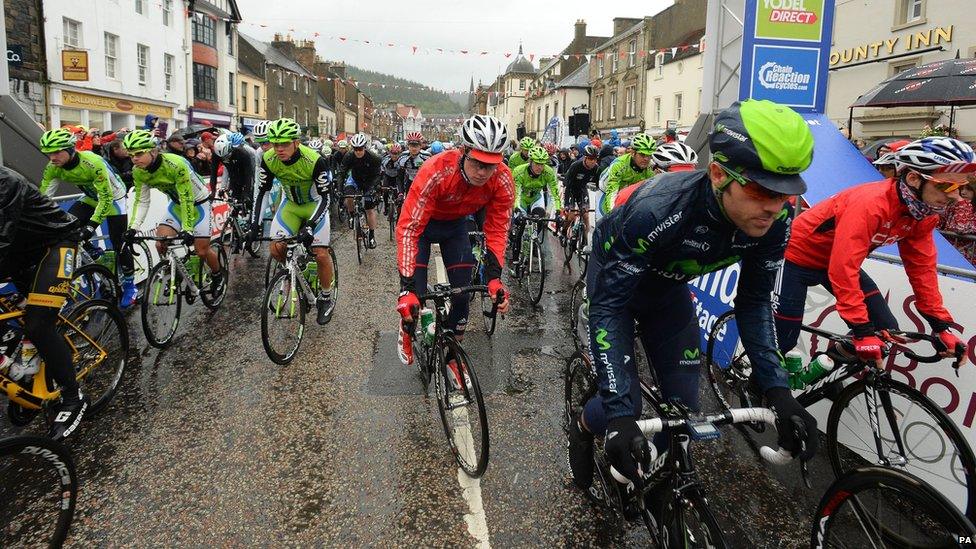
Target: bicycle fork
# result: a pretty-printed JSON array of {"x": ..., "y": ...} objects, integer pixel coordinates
[{"x": 872, "y": 396}]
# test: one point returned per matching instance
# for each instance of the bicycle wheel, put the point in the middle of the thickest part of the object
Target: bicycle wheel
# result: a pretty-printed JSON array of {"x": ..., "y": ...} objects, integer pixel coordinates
[
  {"x": 391, "y": 217},
  {"x": 935, "y": 450},
  {"x": 283, "y": 318},
  {"x": 686, "y": 523},
  {"x": 335, "y": 278},
  {"x": 161, "y": 304},
  {"x": 358, "y": 233},
  {"x": 98, "y": 337},
  {"x": 228, "y": 236},
  {"x": 728, "y": 366},
  {"x": 535, "y": 272},
  {"x": 271, "y": 269},
  {"x": 580, "y": 386},
  {"x": 93, "y": 281},
  {"x": 212, "y": 300},
  {"x": 488, "y": 312},
  {"x": 142, "y": 262},
  {"x": 253, "y": 247},
  {"x": 462, "y": 408},
  {"x": 39, "y": 489},
  {"x": 570, "y": 245},
  {"x": 576, "y": 302},
  {"x": 882, "y": 507}
]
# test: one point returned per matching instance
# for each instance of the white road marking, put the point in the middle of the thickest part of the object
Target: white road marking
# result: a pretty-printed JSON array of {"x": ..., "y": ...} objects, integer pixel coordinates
[{"x": 475, "y": 518}]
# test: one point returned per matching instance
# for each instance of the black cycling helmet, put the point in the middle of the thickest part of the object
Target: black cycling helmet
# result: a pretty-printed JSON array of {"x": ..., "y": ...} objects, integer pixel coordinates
[{"x": 591, "y": 151}]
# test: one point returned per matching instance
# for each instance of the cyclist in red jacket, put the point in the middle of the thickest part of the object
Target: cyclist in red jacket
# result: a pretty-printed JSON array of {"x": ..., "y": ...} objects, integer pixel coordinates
[
  {"x": 831, "y": 240},
  {"x": 448, "y": 188}
]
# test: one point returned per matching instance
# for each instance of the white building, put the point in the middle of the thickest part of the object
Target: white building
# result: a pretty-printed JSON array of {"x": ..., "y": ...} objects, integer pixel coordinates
[
  {"x": 327, "y": 117},
  {"x": 512, "y": 87},
  {"x": 673, "y": 89},
  {"x": 111, "y": 63},
  {"x": 892, "y": 36},
  {"x": 411, "y": 118},
  {"x": 548, "y": 107}
]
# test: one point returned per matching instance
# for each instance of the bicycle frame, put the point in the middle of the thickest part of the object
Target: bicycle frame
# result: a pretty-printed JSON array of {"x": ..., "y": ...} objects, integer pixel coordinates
[{"x": 295, "y": 254}]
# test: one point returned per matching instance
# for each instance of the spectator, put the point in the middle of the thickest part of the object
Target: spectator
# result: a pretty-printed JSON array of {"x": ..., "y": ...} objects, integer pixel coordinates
[
  {"x": 175, "y": 144},
  {"x": 959, "y": 219},
  {"x": 150, "y": 122},
  {"x": 117, "y": 157},
  {"x": 670, "y": 136},
  {"x": 614, "y": 138},
  {"x": 202, "y": 161}
]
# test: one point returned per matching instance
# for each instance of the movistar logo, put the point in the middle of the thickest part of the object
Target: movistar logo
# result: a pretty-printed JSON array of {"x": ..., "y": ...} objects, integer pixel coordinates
[
  {"x": 641, "y": 248},
  {"x": 607, "y": 244},
  {"x": 692, "y": 354},
  {"x": 601, "y": 339},
  {"x": 783, "y": 214}
]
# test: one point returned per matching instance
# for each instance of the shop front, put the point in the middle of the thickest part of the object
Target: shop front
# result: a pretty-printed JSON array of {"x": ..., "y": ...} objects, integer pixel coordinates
[
  {"x": 247, "y": 124},
  {"x": 107, "y": 111},
  {"x": 218, "y": 119}
]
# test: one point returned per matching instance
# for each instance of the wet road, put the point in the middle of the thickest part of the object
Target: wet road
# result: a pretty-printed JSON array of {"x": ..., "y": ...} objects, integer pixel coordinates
[{"x": 210, "y": 443}]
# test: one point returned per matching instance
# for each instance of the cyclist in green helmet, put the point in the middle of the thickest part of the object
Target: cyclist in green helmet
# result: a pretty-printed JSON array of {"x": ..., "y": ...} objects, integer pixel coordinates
[
  {"x": 626, "y": 170},
  {"x": 304, "y": 178},
  {"x": 188, "y": 214},
  {"x": 532, "y": 181},
  {"x": 522, "y": 155},
  {"x": 103, "y": 200}
]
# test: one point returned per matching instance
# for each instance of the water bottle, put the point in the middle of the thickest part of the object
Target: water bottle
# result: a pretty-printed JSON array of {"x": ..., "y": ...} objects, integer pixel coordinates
[
  {"x": 427, "y": 325},
  {"x": 108, "y": 260},
  {"x": 193, "y": 266},
  {"x": 793, "y": 364},
  {"x": 30, "y": 362},
  {"x": 311, "y": 272},
  {"x": 818, "y": 368}
]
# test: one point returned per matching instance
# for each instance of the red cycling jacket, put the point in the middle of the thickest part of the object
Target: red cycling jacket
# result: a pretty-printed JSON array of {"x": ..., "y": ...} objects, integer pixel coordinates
[
  {"x": 439, "y": 192},
  {"x": 838, "y": 234}
]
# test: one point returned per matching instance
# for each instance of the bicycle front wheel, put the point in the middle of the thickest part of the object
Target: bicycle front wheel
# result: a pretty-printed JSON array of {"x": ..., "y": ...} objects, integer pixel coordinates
[
  {"x": 687, "y": 522},
  {"x": 728, "y": 366},
  {"x": 881, "y": 507},
  {"x": 916, "y": 436},
  {"x": 576, "y": 303},
  {"x": 93, "y": 281},
  {"x": 535, "y": 272},
  {"x": 38, "y": 488},
  {"x": 283, "y": 318},
  {"x": 272, "y": 269},
  {"x": 357, "y": 231},
  {"x": 213, "y": 299},
  {"x": 161, "y": 304},
  {"x": 98, "y": 338},
  {"x": 462, "y": 408}
]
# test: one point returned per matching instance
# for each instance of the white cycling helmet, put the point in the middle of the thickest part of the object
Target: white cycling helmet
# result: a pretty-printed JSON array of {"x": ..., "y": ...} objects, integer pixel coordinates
[
  {"x": 675, "y": 153},
  {"x": 358, "y": 140},
  {"x": 260, "y": 131},
  {"x": 486, "y": 137},
  {"x": 315, "y": 144},
  {"x": 222, "y": 146},
  {"x": 934, "y": 154}
]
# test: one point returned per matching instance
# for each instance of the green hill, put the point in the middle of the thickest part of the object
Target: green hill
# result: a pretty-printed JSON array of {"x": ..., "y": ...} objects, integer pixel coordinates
[{"x": 430, "y": 101}]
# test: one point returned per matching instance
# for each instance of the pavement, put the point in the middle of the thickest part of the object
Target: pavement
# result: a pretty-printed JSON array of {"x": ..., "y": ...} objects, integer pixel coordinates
[{"x": 209, "y": 443}]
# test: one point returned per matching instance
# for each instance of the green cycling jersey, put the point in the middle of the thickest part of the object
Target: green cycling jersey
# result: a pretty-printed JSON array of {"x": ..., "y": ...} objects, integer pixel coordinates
[
  {"x": 173, "y": 176},
  {"x": 93, "y": 176},
  {"x": 516, "y": 160},
  {"x": 620, "y": 175},
  {"x": 304, "y": 179},
  {"x": 528, "y": 186}
]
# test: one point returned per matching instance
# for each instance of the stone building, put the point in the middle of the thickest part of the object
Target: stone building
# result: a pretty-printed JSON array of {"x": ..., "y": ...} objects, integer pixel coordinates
[
  {"x": 26, "y": 56},
  {"x": 291, "y": 87}
]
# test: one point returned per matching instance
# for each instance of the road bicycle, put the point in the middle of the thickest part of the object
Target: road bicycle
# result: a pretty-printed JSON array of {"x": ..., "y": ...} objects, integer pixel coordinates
[
  {"x": 393, "y": 202},
  {"x": 236, "y": 228},
  {"x": 575, "y": 239},
  {"x": 440, "y": 357},
  {"x": 38, "y": 491},
  {"x": 180, "y": 275},
  {"x": 668, "y": 498},
  {"x": 874, "y": 419},
  {"x": 480, "y": 278},
  {"x": 884, "y": 507},
  {"x": 289, "y": 296},
  {"x": 359, "y": 225},
  {"x": 97, "y": 336},
  {"x": 96, "y": 276},
  {"x": 579, "y": 306},
  {"x": 530, "y": 269}
]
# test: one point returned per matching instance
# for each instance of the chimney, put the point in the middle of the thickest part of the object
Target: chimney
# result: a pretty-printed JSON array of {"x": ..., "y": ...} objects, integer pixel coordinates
[
  {"x": 621, "y": 24},
  {"x": 305, "y": 54},
  {"x": 580, "y": 28},
  {"x": 284, "y": 44}
]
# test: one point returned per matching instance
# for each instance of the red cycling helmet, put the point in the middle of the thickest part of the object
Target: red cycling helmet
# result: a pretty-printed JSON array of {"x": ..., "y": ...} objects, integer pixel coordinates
[
  {"x": 550, "y": 148},
  {"x": 396, "y": 149},
  {"x": 415, "y": 137}
]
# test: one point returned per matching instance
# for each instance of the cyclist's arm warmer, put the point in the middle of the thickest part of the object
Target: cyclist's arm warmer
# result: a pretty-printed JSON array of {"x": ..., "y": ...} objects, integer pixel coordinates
[
  {"x": 615, "y": 174},
  {"x": 344, "y": 167},
  {"x": 12, "y": 195},
  {"x": 918, "y": 253},
  {"x": 569, "y": 180},
  {"x": 103, "y": 189},
  {"x": 320, "y": 178},
  {"x": 265, "y": 179},
  {"x": 140, "y": 202},
  {"x": 550, "y": 175},
  {"x": 844, "y": 266},
  {"x": 184, "y": 190},
  {"x": 754, "y": 310},
  {"x": 214, "y": 163},
  {"x": 517, "y": 176},
  {"x": 498, "y": 217},
  {"x": 49, "y": 181},
  {"x": 414, "y": 216}
]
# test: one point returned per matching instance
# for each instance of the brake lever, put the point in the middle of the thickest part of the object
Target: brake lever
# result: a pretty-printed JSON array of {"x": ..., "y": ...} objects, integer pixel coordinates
[{"x": 799, "y": 434}]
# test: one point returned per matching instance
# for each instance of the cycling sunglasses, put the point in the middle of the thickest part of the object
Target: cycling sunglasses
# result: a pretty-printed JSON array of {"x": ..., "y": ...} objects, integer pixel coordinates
[
  {"x": 948, "y": 182},
  {"x": 752, "y": 189},
  {"x": 359, "y": 148}
]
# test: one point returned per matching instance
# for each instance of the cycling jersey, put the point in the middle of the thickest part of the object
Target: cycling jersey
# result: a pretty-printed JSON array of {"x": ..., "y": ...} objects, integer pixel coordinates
[
  {"x": 365, "y": 171},
  {"x": 103, "y": 188},
  {"x": 173, "y": 176},
  {"x": 621, "y": 174},
  {"x": 672, "y": 230},
  {"x": 517, "y": 160},
  {"x": 304, "y": 178},
  {"x": 837, "y": 235},
  {"x": 240, "y": 173},
  {"x": 409, "y": 166},
  {"x": 576, "y": 180},
  {"x": 389, "y": 166},
  {"x": 529, "y": 187},
  {"x": 29, "y": 221},
  {"x": 441, "y": 193}
]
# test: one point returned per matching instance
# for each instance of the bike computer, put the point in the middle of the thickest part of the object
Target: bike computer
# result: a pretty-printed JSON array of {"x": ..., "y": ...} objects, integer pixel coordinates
[{"x": 699, "y": 429}]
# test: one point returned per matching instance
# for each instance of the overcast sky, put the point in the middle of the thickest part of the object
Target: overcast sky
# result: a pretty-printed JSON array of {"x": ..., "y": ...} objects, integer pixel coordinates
[{"x": 544, "y": 27}]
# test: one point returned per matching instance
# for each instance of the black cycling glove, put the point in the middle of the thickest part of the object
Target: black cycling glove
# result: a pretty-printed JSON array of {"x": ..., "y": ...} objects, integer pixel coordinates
[
  {"x": 626, "y": 447},
  {"x": 794, "y": 423}
]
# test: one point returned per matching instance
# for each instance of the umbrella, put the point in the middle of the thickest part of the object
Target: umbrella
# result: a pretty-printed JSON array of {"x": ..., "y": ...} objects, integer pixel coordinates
[{"x": 193, "y": 130}]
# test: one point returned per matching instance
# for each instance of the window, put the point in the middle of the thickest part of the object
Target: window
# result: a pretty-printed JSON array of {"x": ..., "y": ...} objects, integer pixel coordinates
[
  {"x": 632, "y": 53},
  {"x": 281, "y": 109},
  {"x": 294, "y": 113},
  {"x": 659, "y": 65},
  {"x": 111, "y": 55},
  {"x": 204, "y": 30},
  {"x": 598, "y": 111},
  {"x": 142, "y": 60},
  {"x": 72, "y": 33},
  {"x": 538, "y": 118},
  {"x": 914, "y": 9},
  {"x": 555, "y": 109},
  {"x": 168, "y": 61},
  {"x": 677, "y": 106},
  {"x": 281, "y": 80},
  {"x": 141, "y": 7},
  {"x": 599, "y": 67},
  {"x": 204, "y": 82},
  {"x": 698, "y": 106},
  {"x": 244, "y": 96},
  {"x": 257, "y": 99},
  {"x": 613, "y": 61},
  {"x": 229, "y": 31},
  {"x": 613, "y": 105},
  {"x": 521, "y": 85},
  {"x": 630, "y": 102},
  {"x": 306, "y": 117},
  {"x": 167, "y": 12},
  {"x": 903, "y": 66},
  {"x": 232, "y": 87},
  {"x": 294, "y": 83},
  {"x": 307, "y": 86},
  {"x": 657, "y": 110}
]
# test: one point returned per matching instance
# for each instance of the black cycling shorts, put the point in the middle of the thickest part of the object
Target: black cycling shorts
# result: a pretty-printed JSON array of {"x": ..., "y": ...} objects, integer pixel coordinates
[{"x": 50, "y": 284}]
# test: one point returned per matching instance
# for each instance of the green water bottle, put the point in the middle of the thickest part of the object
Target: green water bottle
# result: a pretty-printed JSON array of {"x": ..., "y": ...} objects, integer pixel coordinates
[
  {"x": 793, "y": 364},
  {"x": 817, "y": 369},
  {"x": 108, "y": 260},
  {"x": 427, "y": 325},
  {"x": 193, "y": 266},
  {"x": 311, "y": 272}
]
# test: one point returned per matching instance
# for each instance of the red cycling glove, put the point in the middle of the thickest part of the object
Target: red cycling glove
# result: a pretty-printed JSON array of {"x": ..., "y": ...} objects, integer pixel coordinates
[
  {"x": 952, "y": 342},
  {"x": 407, "y": 306},
  {"x": 868, "y": 348},
  {"x": 494, "y": 285}
]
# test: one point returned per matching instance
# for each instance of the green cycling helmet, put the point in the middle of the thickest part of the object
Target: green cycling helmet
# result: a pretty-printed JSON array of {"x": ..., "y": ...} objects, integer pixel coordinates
[
  {"x": 139, "y": 140},
  {"x": 53, "y": 141},
  {"x": 527, "y": 143},
  {"x": 643, "y": 144},
  {"x": 284, "y": 130},
  {"x": 539, "y": 155}
]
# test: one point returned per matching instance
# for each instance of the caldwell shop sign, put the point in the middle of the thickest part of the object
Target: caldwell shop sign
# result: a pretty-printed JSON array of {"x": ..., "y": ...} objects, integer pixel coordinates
[{"x": 94, "y": 102}]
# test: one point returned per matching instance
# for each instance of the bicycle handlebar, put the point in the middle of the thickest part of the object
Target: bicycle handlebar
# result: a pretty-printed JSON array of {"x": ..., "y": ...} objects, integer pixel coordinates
[
  {"x": 737, "y": 415},
  {"x": 896, "y": 345}
]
